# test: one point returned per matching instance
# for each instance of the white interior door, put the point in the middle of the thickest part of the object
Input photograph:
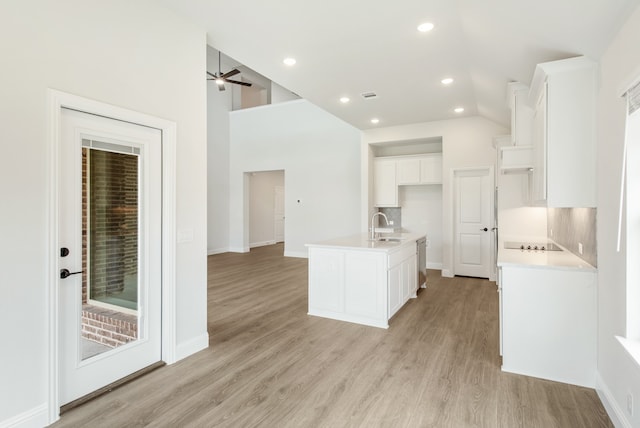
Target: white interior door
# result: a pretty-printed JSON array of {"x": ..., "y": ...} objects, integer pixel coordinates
[
  {"x": 278, "y": 213},
  {"x": 472, "y": 250},
  {"x": 109, "y": 234}
]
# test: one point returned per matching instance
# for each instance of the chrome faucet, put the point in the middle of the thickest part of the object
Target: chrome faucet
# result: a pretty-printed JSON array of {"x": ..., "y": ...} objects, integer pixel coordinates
[{"x": 373, "y": 228}]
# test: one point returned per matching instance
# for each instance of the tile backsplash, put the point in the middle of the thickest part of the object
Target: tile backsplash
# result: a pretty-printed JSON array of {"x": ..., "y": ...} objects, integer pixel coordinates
[
  {"x": 571, "y": 226},
  {"x": 393, "y": 214}
]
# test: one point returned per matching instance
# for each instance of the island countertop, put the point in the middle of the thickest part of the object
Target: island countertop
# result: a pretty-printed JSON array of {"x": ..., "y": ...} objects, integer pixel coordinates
[{"x": 363, "y": 241}]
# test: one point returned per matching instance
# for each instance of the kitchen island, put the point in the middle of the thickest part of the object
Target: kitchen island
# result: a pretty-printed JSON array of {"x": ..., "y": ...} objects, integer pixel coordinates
[{"x": 360, "y": 280}]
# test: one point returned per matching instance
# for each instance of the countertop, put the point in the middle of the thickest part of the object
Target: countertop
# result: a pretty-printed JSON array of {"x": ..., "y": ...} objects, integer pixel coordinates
[
  {"x": 542, "y": 259},
  {"x": 361, "y": 242}
]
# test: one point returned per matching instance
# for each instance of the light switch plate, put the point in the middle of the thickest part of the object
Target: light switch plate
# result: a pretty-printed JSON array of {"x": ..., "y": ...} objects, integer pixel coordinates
[{"x": 185, "y": 235}]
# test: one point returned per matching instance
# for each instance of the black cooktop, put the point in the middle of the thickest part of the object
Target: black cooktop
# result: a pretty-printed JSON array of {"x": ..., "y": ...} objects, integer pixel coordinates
[{"x": 532, "y": 246}]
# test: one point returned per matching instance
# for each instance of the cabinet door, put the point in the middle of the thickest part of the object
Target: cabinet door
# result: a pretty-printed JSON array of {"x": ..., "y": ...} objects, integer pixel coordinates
[
  {"x": 500, "y": 316},
  {"x": 408, "y": 171},
  {"x": 431, "y": 169},
  {"x": 539, "y": 177},
  {"x": 521, "y": 118},
  {"x": 326, "y": 280},
  {"x": 365, "y": 286},
  {"x": 409, "y": 278},
  {"x": 515, "y": 158},
  {"x": 395, "y": 289},
  {"x": 385, "y": 188}
]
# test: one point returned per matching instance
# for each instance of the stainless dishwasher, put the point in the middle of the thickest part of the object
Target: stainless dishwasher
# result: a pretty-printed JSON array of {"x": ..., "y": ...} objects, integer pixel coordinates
[{"x": 422, "y": 262}]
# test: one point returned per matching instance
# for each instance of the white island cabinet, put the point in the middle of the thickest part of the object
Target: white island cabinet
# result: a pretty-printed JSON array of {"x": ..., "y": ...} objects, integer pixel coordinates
[{"x": 361, "y": 281}]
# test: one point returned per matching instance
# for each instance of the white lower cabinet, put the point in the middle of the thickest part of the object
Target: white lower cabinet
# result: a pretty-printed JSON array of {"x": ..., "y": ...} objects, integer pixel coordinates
[
  {"x": 402, "y": 278},
  {"x": 548, "y": 323},
  {"x": 364, "y": 279},
  {"x": 360, "y": 286},
  {"x": 395, "y": 289}
]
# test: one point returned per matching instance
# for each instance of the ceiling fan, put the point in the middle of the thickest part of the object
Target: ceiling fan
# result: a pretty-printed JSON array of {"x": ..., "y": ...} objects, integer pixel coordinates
[{"x": 221, "y": 78}]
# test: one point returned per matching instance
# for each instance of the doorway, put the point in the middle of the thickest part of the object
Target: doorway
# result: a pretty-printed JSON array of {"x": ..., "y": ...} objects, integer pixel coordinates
[
  {"x": 110, "y": 236},
  {"x": 473, "y": 202},
  {"x": 266, "y": 208},
  {"x": 125, "y": 161}
]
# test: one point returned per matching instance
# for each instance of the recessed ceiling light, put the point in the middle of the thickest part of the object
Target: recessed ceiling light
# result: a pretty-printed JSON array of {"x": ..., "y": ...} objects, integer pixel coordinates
[
  {"x": 344, "y": 100},
  {"x": 458, "y": 109},
  {"x": 289, "y": 61},
  {"x": 447, "y": 81},
  {"x": 375, "y": 121},
  {"x": 424, "y": 27}
]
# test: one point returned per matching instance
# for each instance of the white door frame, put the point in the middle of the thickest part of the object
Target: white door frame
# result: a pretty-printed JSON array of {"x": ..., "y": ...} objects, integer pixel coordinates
[
  {"x": 56, "y": 100},
  {"x": 452, "y": 180},
  {"x": 275, "y": 191}
]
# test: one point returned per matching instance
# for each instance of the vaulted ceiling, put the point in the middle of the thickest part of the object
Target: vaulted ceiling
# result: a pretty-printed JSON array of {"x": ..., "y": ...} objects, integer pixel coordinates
[{"x": 344, "y": 48}]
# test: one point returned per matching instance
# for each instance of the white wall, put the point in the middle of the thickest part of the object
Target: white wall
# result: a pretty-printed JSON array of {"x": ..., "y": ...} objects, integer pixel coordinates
[
  {"x": 422, "y": 213},
  {"x": 618, "y": 373},
  {"x": 262, "y": 206},
  {"x": 516, "y": 220},
  {"x": 135, "y": 55},
  {"x": 280, "y": 94},
  {"x": 320, "y": 156},
  {"x": 466, "y": 142},
  {"x": 218, "y": 108}
]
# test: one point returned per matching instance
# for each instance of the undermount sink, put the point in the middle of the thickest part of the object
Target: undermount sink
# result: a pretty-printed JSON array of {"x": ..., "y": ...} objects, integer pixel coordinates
[{"x": 385, "y": 239}]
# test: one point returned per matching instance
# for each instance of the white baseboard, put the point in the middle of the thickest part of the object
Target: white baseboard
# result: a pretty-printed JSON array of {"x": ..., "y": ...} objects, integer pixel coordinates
[
  {"x": 447, "y": 273},
  {"x": 436, "y": 266},
  {"x": 357, "y": 319},
  {"x": 616, "y": 414},
  {"x": 261, "y": 244},
  {"x": 33, "y": 418},
  {"x": 239, "y": 249},
  {"x": 217, "y": 251},
  {"x": 299, "y": 254},
  {"x": 192, "y": 346}
]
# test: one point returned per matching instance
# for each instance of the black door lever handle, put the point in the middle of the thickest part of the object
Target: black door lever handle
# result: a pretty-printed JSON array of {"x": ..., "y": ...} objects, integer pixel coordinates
[{"x": 64, "y": 273}]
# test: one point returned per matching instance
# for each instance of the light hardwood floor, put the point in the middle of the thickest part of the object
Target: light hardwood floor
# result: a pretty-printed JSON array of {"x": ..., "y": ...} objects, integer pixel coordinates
[{"x": 269, "y": 364}]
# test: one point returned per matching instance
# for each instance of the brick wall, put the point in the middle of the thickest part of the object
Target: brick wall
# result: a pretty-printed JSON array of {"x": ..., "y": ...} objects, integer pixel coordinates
[
  {"x": 113, "y": 216},
  {"x": 110, "y": 203},
  {"x": 108, "y": 327}
]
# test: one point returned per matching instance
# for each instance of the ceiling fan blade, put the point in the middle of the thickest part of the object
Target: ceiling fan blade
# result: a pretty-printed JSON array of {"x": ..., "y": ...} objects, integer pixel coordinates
[
  {"x": 230, "y": 73},
  {"x": 212, "y": 75},
  {"x": 237, "y": 82}
]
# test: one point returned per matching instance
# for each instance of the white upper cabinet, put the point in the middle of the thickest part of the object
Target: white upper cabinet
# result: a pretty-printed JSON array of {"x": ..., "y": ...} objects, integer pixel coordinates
[
  {"x": 515, "y": 159},
  {"x": 408, "y": 171},
  {"x": 521, "y": 114},
  {"x": 431, "y": 169},
  {"x": 385, "y": 186},
  {"x": 515, "y": 152},
  {"x": 420, "y": 169},
  {"x": 564, "y": 138},
  {"x": 393, "y": 171}
]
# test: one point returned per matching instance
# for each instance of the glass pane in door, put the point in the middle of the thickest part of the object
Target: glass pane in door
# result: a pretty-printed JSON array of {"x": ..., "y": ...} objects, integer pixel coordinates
[{"x": 110, "y": 253}]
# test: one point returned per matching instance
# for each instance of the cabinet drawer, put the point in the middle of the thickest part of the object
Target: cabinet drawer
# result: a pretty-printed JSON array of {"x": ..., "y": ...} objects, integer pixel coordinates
[{"x": 403, "y": 253}]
